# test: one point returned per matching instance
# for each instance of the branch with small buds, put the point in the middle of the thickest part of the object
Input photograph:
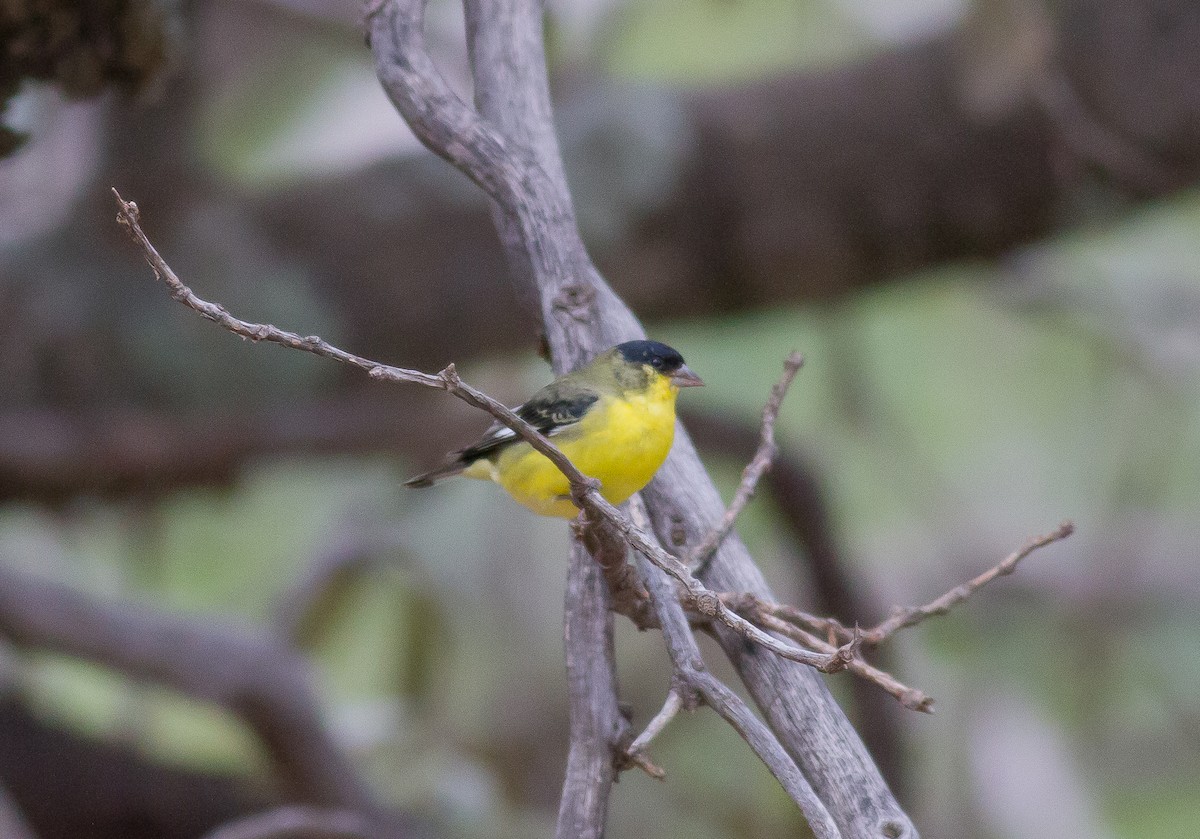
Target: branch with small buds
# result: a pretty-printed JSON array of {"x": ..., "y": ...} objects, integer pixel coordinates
[
  {"x": 611, "y": 529},
  {"x": 805, "y": 629},
  {"x": 585, "y": 491}
]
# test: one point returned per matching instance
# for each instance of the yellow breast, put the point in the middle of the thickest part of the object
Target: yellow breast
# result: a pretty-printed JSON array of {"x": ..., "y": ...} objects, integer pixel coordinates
[{"x": 621, "y": 442}]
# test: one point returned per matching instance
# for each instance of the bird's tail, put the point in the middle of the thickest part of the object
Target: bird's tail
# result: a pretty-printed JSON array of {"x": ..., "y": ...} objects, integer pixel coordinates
[{"x": 428, "y": 479}]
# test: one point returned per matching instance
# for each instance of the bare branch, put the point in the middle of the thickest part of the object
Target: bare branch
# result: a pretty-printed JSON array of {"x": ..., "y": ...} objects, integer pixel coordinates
[
  {"x": 446, "y": 125},
  {"x": 609, "y": 549},
  {"x": 704, "y": 601},
  {"x": 910, "y": 698},
  {"x": 130, "y": 218},
  {"x": 584, "y": 490},
  {"x": 755, "y": 469},
  {"x": 251, "y": 674},
  {"x": 597, "y": 724},
  {"x": 636, "y": 751},
  {"x": 692, "y": 675},
  {"x": 805, "y": 629},
  {"x": 299, "y": 822},
  {"x": 796, "y": 488},
  {"x": 903, "y": 618}
]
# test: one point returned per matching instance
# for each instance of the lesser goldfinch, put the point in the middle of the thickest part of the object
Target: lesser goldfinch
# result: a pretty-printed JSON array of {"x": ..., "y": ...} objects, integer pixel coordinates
[{"x": 613, "y": 418}]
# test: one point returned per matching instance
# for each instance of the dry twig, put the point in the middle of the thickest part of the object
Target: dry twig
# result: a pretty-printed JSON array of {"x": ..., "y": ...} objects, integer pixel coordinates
[
  {"x": 671, "y": 707},
  {"x": 903, "y": 618},
  {"x": 755, "y": 469},
  {"x": 584, "y": 490},
  {"x": 692, "y": 678},
  {"x": 806, "y": 629},
  {"x": 611, "y": 553}
]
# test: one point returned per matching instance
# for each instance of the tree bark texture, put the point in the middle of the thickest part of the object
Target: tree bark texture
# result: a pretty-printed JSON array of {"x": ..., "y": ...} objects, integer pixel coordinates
[{"x": 513, "y": 155}]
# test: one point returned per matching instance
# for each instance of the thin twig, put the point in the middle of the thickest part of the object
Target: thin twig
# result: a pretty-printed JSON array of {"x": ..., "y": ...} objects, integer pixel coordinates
[
  {"x": 830, "y": 628},
  {"x": 672, "y": 706},
  {"x": 911, "y": 698},
  {"x": 806, "y": 629},
  {"x": 796, "y": 488},
  {"x": 636, "y": 752},
  {"x": 584, "y": 490},
  {"x": 755, "y": 469},
  {"x": 130, "y": 218},
  {"x": 903, "y": 618},
  {"x": 692, "y": 676},
  {"x": 708, "y": 603}
]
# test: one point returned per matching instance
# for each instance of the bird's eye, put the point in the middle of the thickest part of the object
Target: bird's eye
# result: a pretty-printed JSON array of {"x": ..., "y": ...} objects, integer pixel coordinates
[{"x": 656, "y": 363}]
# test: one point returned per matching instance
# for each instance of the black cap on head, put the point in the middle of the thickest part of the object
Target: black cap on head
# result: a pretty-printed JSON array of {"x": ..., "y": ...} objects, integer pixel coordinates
[{"x": 659, "y": 356}]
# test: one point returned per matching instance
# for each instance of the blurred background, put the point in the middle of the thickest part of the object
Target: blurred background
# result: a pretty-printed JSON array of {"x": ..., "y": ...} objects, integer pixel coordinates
[{"x": 979, "y": 222}]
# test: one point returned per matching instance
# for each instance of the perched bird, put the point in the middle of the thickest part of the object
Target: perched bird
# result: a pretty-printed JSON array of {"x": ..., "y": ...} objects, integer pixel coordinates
[{"x": 613, "y": 418}]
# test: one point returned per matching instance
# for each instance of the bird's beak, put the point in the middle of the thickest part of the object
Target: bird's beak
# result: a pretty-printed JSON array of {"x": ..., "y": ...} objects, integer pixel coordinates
[{"x": 683, "y": 377}]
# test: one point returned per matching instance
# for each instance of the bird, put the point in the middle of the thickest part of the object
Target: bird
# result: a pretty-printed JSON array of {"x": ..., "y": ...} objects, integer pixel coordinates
[{"x": 614, "y": 418}]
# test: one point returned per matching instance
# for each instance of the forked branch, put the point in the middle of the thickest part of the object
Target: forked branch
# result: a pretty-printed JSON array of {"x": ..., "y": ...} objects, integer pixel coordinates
[{"x": 584, "y": 490}]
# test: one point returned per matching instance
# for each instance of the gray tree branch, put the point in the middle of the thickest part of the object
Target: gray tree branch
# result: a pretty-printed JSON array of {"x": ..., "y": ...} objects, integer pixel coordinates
[
  {"x": 597, "y": 725},
  {"x": 582, "y": 317},
  {"x": 692, "y": 675}
]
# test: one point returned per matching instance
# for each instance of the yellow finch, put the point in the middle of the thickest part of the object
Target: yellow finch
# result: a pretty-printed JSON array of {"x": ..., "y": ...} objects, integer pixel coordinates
[{"x": 613, "y": 418}]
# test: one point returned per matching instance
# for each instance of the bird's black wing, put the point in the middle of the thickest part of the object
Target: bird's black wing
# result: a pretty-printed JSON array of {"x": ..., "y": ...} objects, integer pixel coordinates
[{"x": 553, "y": 408}]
